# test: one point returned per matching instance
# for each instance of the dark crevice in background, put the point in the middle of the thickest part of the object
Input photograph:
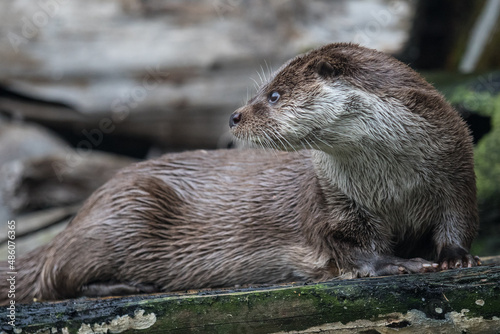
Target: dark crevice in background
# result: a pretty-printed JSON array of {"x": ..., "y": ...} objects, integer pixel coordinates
[
  {"x": 8, "y": 93},
  {"x": 112, "y": 143},
  {"x": 72, "y": 134},
  {"x": 478, "y": 125}
]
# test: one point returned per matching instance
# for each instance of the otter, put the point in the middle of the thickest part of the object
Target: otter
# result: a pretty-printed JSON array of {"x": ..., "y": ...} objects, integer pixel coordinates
[{"x": 366, "y": 170}]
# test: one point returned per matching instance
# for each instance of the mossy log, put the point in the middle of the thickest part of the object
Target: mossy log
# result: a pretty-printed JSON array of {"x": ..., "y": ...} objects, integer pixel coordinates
[{"x": 454, "y": 301}]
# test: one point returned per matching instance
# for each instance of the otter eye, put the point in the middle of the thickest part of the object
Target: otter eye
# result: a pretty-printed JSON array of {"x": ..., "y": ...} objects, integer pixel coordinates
[{"x": 274, "y": 97}]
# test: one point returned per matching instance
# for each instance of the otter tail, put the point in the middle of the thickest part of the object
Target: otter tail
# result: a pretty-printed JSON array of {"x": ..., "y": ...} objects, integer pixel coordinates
[{"x": 19, "y": 279}]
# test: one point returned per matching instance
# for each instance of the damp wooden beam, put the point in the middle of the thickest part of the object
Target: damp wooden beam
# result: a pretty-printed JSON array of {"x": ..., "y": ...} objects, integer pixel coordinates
[{"x": 463, "y": 300}]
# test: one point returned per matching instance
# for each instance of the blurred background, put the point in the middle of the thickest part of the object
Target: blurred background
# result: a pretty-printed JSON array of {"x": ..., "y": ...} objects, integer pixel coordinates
[{"x": 87, "y": 87}]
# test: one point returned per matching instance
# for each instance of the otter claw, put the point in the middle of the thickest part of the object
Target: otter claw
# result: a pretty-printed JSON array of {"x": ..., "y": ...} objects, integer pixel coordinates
[
  {"x": 468, "y": 261},
  {"x": 430, "y": 266},
  {"x": 456, "y": 257}
]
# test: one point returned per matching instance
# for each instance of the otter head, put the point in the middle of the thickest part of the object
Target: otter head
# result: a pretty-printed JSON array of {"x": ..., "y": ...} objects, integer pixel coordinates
[{"x": 336, "y": 97}]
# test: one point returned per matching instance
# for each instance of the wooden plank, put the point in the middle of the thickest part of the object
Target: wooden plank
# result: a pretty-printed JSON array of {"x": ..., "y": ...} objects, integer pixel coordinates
[{"x": 454, "y": 300}]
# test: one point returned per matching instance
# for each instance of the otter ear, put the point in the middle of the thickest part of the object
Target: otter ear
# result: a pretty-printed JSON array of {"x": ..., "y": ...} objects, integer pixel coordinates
[{"x": 325, "y": 69}]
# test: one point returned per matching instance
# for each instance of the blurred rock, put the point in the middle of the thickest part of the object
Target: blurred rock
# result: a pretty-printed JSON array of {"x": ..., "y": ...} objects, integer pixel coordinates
[
  {"x": 20, "y": 141},
  {"x": 56, "y": 180}
]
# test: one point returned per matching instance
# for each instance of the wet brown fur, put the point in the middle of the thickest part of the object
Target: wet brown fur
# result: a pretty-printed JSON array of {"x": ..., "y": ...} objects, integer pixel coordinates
[{"x": 219, "y": 218}]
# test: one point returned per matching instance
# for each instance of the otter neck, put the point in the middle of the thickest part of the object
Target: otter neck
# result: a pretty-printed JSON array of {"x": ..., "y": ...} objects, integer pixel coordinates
[{"x": 378, "y": 183}]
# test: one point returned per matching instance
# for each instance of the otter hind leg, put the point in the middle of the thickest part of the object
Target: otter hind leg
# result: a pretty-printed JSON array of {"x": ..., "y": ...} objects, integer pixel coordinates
[
  {"x": 102, "y": 289},
  {"x": 452, "y": 257}
]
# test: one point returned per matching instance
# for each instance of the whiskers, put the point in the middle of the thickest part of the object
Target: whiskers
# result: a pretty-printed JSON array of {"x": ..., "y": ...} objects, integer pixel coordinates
[
  {"x": 263, "y": 141},
  {"x": 274, "y": 140},
  {"x": 269, "y": 71},
  {"x": 256, "y": 85},
  {"x": 265, "y": 76}
]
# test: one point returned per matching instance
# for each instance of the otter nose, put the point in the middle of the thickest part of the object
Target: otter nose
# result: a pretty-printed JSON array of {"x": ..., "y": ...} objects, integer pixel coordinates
[{"x": 234, "y": 119}]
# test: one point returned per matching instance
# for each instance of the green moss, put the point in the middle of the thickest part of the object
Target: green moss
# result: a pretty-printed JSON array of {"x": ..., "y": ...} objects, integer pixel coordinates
[
  {"x": 487, "y": 152},
  {"x": 487, "y": 159},
  {"x": 299, "y": 308}
]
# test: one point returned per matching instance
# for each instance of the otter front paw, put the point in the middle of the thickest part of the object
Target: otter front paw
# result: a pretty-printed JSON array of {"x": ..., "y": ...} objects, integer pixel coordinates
[
  {"x": 452, "y": 257},
  {"x": 390, "y": 265}
]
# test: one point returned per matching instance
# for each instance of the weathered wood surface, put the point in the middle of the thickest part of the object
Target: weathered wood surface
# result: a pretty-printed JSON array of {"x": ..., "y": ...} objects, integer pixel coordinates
[{"x": 455, "y": 301}]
